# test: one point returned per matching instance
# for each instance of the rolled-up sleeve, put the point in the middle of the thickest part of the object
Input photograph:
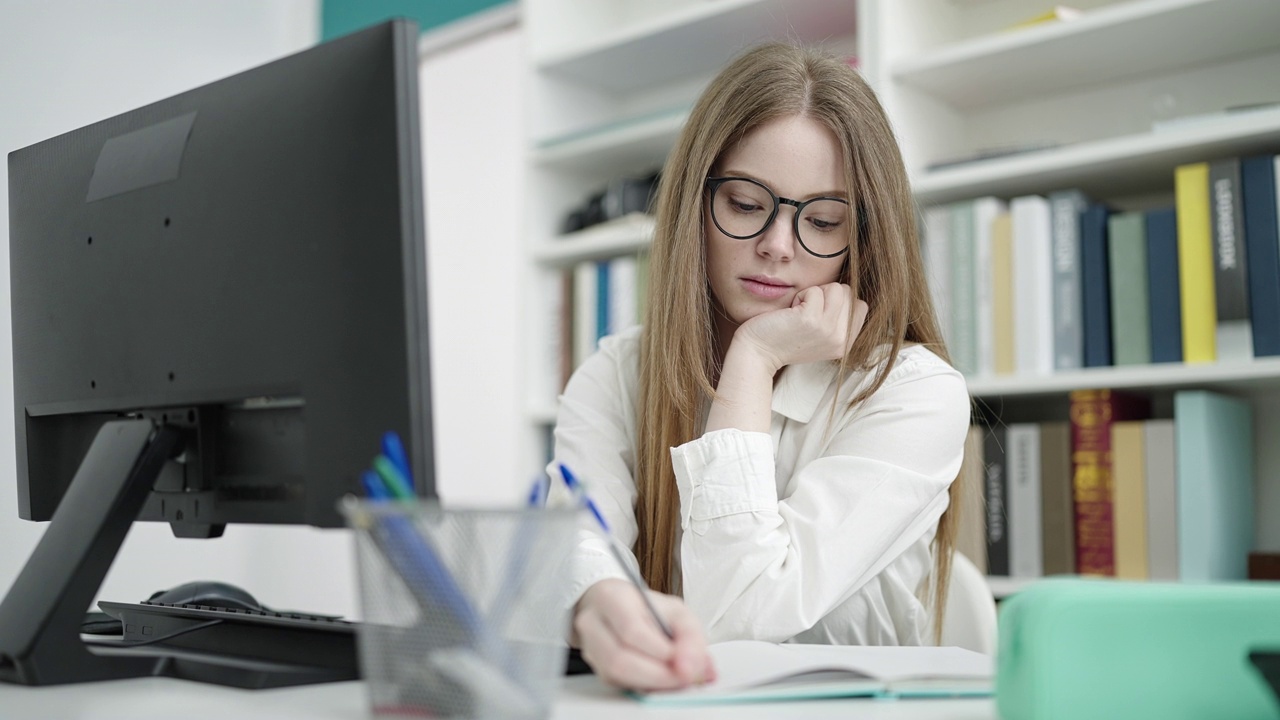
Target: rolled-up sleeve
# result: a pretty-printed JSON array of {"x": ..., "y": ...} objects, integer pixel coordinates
[{"x": 759, "y": 566}]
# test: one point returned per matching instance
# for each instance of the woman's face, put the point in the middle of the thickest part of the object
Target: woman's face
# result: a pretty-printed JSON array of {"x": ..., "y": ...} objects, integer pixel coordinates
[{"x": 796, "y": 157}]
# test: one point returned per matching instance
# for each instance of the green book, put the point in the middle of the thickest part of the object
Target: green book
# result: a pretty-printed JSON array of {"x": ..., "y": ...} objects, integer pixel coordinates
[{"x": 1130, "y": 314}]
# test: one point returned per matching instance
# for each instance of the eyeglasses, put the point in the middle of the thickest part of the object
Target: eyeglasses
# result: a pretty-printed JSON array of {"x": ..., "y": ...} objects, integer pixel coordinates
[{"x": 743, "y": 208}]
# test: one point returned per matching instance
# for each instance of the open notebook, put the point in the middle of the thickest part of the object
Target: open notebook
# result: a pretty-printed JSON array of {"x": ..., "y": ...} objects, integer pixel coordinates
[{"x": 752, "y": 670}]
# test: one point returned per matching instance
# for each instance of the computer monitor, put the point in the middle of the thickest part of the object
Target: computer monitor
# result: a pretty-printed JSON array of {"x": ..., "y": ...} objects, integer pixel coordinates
[{"x": 219, "y": 307}]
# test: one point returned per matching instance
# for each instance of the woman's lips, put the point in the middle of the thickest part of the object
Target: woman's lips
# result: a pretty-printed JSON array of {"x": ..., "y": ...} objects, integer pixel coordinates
[{"x": 766, "y": 288}]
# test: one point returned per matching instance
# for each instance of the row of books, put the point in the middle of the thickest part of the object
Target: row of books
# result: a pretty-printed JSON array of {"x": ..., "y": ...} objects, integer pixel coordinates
[
  {"x": 1112, "y": 492},
  {"x": 593, "y": 298},
  {"x": 1039, "y": 284}
]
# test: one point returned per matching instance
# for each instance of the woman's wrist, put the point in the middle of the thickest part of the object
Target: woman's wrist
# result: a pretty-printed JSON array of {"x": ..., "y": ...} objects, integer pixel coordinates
[{"x": 744, "y": 394}]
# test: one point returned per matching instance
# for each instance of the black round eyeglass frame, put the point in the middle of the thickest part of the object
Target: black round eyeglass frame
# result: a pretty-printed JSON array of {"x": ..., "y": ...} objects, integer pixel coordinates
[{"x": 714, "y": 183}]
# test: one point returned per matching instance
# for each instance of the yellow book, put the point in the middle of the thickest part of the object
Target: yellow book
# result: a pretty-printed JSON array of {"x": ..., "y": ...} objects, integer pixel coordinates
[
  {"x": 1002, "y": 292},
  {"x": 1129, "y": 498},
  {"x": 1195, "y": 264},
  {"x": 1058, "y": 12}
]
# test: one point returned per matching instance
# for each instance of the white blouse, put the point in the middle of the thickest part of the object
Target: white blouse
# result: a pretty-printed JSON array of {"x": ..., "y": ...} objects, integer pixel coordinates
[{"x": 818, "y": 532}]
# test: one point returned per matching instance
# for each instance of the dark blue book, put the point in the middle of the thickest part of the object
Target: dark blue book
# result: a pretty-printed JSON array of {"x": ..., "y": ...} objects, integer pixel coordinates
[
  {"x": 1096, "y": 284},
  {"x": 1258, "y": 181},
  {"x": 1163, "y": 287}
]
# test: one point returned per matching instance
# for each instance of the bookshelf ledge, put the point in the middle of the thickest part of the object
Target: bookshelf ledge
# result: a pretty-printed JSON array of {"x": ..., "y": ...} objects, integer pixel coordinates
[
  {"x": 1259, "y": 374},
  {"x": 1105, "y": 44},
  {"x": 1105, "y": 167},
  {"x": 629, "y": 233}
]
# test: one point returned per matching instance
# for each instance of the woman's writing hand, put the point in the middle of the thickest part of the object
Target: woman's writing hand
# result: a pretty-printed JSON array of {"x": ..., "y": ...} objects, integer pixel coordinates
[{"x": 624, "y": 645}]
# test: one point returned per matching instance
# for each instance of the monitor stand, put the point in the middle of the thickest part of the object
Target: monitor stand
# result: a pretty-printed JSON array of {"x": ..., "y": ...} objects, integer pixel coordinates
[{"x": 40, "y": 618}]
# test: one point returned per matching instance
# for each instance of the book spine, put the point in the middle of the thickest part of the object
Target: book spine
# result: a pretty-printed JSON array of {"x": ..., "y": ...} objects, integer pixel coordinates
[
  {"x": 937, "y": 265},
  {"x": 985, "y": 211},
  {"x": 622, "y": 293},
  {"x": 1033, "y": 285},
  {"x": 1214, "y": 440},
  {"x": 1162, "y": 500},
  {"x": 565, "y": 328},
  {"x": 1068, "y": 327},
  {"x": 1163, "y": 289},
  {"x": 1234, "y": 332},
  {"x": 1195, "y": 264},
  {"x": 1026, "y": 558},
  {"x": 996, "y": 496},
  {"x": 604, "y": 324},
  {"x": 642, "y": 286},
  {"x": 1262, "y": 236},
  {"x": 585, "y": 316},
  {"x": 963, "y": 326},
  {"x": 1092, "y": 413},
  {"x": 1097, "y": 289},
  {"x": 1002, "y": 293},
  {"x": 1129, "y": 499},
  {"x": 1057, "y": 505},
  {"x": 1130, "y": 324}
]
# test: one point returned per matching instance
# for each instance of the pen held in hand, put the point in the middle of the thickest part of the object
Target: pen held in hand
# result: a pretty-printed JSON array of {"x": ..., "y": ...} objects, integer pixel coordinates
[{"x": 580, "y": 493}]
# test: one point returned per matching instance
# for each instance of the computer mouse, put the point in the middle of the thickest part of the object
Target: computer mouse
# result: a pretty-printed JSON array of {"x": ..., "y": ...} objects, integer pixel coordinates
[{"x": 210, "y": 593}]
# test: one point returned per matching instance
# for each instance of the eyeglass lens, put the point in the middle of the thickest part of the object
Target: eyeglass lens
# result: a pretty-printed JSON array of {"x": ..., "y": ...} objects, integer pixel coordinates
[{"x": 742, "y": 208}]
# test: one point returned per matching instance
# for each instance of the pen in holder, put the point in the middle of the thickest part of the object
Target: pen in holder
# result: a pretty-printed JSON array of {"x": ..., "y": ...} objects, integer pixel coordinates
[{"x": 462, "y": 611}]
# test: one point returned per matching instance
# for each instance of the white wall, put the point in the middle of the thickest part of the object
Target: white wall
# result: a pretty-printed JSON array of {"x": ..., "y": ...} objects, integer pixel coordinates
[
  {"x": 472, "y": 116},
  {"x": 67, "y": 63}
]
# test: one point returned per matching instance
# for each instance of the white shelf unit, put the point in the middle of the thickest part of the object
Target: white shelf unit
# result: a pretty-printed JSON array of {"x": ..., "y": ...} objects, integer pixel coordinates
[
  {"x": 610, "y": 85},
  {"x": 1121, "y": 95}
]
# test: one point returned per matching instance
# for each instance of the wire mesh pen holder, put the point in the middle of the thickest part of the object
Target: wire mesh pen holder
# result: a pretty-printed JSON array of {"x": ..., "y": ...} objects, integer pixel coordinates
[{"x": 462, "y": 610}]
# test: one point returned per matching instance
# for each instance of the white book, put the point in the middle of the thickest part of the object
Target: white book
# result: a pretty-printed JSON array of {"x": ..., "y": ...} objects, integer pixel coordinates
[
  {"x": 985, "y": 211},
  {"x": 1026, "y": 527},
  {"x": 755, "y": 670},
  {"x": 623, "y": 305},
  {"x": 1032, "y": 285},
  {"x": 585, "y": 298},
  {"x": 936, "y": 252}
]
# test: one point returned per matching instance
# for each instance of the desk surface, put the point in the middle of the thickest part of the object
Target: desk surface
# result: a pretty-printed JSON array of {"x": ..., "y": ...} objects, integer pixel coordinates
[{"x": 581, "y": 697}]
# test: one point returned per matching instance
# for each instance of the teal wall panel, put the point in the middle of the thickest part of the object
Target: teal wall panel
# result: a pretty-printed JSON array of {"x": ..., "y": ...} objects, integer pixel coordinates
[{"x": 339, "y": 17}]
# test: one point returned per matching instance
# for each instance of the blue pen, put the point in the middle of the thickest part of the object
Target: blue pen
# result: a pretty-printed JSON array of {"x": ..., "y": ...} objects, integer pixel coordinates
[
  {"x": 538, "y": 493},
  {"x": 417, "y": 563},
  {"x": 394, "y": 450},
  {"x": 579, "y": 492}
]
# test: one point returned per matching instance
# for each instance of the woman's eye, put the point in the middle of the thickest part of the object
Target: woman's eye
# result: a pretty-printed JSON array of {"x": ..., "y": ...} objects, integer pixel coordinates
[
  {"x": 745, "y": 206},
  {"x": 824, "y": 225}
]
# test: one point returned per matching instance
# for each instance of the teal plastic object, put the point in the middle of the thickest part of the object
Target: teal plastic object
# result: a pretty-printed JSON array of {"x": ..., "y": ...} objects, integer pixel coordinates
[{"x": 1076, "y": 649}]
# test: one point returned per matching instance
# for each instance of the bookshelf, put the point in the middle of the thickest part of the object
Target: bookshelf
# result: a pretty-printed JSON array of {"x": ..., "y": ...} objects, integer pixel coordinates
[
  {"x": 1116, "y": 98},
  {"x": 1108, "y": 103}
]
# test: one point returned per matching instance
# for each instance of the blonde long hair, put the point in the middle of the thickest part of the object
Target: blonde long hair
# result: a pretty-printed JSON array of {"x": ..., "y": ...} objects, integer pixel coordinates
[{"x": 678, "y": 359}]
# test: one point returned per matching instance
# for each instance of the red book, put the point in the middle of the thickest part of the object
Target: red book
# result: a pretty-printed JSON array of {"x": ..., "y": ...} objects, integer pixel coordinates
[{"x": 1092, "y": 412}]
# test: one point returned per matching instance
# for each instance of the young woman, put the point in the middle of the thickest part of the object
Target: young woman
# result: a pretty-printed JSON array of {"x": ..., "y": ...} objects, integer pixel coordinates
[{"x": 779, "y": 443}]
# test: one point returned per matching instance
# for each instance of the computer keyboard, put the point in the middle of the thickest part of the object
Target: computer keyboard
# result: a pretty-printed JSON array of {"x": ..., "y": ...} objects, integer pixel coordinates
[{"x": 245, "y": 648}]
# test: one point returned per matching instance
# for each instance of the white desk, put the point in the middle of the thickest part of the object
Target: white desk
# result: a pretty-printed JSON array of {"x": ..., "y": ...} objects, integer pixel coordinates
[{"x": 582, "y": 697}]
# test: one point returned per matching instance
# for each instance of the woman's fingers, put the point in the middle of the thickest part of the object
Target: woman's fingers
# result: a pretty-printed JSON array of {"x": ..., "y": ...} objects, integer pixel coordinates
[
  {"x": 690, "y": 658},
  {"x": 620, "y": 665},
  {"x": 625, "y": 645}
]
